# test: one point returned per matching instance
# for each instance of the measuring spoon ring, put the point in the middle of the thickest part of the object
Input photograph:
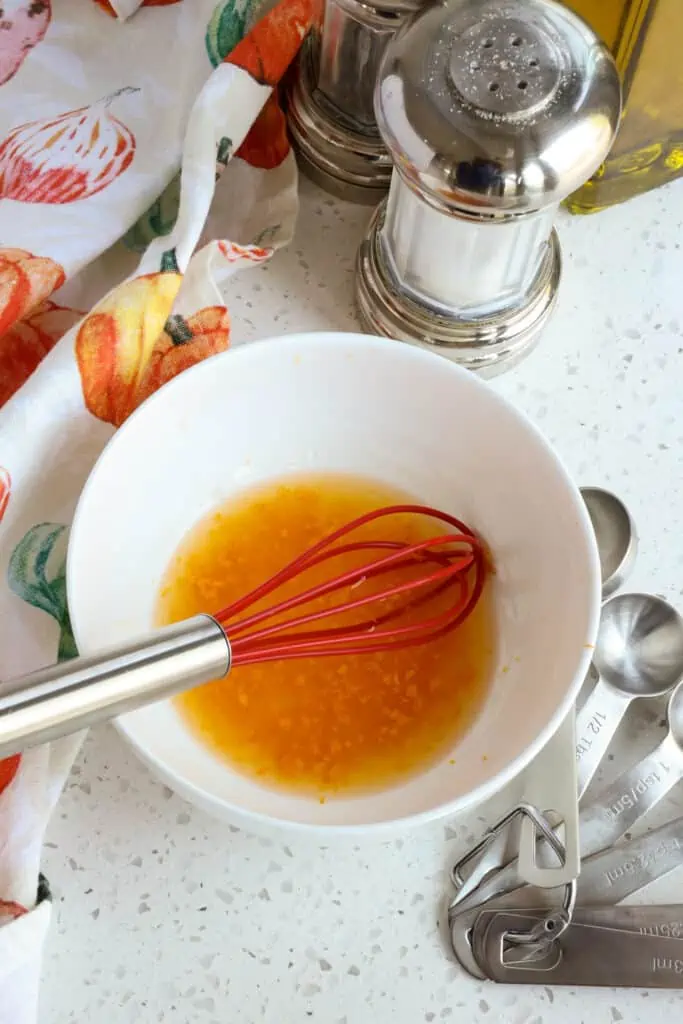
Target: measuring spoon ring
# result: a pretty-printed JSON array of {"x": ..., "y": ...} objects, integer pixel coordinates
[
  {"x": 637, "y": 791},
  {"x": 638, "y": 653}
]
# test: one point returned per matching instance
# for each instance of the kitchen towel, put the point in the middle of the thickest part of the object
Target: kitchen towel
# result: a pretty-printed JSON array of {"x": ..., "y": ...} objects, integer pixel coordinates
[{"x": 143, "y": 161}]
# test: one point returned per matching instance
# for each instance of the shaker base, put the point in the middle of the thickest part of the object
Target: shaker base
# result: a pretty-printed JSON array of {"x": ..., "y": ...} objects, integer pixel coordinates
[
  {"x": 487, "y": 345},
  {"x": 350, "y": 164}
]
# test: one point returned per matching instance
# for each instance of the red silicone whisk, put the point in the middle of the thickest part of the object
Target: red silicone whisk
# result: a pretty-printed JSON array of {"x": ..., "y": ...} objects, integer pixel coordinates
[
  {"x": 450, "y": 564},
  {"x": 419, "y": 591}
]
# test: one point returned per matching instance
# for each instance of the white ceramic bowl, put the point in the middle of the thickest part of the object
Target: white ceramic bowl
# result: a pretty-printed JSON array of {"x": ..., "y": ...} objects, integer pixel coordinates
[{"x": 345, "y": 402}]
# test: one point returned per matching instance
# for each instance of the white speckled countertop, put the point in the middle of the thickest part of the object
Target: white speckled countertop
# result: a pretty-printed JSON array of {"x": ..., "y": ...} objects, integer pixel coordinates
[{"x": 163, "y": 914}]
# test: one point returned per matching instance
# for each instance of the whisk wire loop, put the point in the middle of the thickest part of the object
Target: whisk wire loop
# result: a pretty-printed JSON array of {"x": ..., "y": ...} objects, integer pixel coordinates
[{"x": 452, "y": 561}]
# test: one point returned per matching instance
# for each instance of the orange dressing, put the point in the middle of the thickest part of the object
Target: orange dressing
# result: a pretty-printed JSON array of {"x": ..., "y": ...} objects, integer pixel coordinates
[{"x": 328, "y": 725}]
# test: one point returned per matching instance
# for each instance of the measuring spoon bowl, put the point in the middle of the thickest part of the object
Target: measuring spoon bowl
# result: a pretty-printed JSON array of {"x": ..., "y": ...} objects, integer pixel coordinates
[
  {"x": 615, "y": 534},
  {"x": 639, "y": 647},
  {"x": 461, "y": 941},
  {"x": 638, "y": 653}
]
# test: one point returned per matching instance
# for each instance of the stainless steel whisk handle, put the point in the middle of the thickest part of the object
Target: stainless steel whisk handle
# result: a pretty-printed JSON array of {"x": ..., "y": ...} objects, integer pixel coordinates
[{"x": 62, "y": 699}]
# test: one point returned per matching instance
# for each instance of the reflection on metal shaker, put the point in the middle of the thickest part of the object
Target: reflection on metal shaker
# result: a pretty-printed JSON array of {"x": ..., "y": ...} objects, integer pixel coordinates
[
  {"x": 493, "y": 114},
  {"x": 330, "y": 100}
]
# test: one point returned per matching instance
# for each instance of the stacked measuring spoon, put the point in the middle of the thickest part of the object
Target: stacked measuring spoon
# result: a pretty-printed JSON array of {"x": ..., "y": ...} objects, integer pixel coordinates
[{"x": 508, "y": 932}]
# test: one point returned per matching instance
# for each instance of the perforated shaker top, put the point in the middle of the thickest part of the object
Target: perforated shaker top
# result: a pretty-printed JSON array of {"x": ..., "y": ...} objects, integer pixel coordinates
[{"x": 505, "y": 104}]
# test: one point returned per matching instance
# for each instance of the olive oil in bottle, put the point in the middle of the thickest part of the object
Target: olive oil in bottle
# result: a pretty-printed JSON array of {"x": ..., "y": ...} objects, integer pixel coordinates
[{"x": 646, "y": 38}]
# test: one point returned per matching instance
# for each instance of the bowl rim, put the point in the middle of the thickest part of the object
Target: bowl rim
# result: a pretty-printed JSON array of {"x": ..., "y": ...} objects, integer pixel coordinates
[{"x": 223, "y": 808}]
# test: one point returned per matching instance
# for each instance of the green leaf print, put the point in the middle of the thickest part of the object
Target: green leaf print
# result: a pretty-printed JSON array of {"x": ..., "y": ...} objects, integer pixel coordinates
[
  {"x": 227, "y": 26},
  {"x": 169, "y": 262},
  {"x": 37, "y": 574},
  {"x": 267, "y": 236},
  {"x": 224, "y": 151},
  {"x": 158, "y": 220}
]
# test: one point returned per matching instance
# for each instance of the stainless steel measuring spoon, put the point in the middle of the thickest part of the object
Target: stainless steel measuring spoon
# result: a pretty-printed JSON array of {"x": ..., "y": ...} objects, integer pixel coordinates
[
  {"x": 585, "y": 955},
  {"x": 638, "y": 653},
  {"x": 648, "y": 922},
  {"x": 633, "y": 794},
  {"x": 663, "y": 920},
  {"x": 616, "y": 537},
  {"x": 617, "y": 542},
  {"x": 606, "y": 879}
]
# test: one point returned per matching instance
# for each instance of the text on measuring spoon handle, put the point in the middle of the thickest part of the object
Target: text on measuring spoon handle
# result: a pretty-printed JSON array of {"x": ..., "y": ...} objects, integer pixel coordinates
[
  {"x": 596, "y": 724},
  {"x": 658, "y": 921},
  {"x": 612, "y": 875},
  {"x": 642, "y": 866},
  {"x": 667, "y": 965},
  {"x": 664, "y": 929},
  {"x": 633, "y": 794}
]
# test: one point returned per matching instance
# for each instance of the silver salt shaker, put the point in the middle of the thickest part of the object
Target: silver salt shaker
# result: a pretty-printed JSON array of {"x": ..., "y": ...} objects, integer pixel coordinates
[
  {"x": 330, "y": 107},
  {"x": 494, "y": 111}
]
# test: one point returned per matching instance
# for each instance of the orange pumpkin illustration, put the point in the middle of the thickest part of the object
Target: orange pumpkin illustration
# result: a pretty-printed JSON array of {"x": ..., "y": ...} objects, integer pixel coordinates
[
  {"x": 234, "y": 252},
  {"x": 272, "y": 44},
  {"x": 25, "y": 281},
  {"x": 183, "y": 343},
  {"x": 114, "y": 344},
  {"x": 10, "y": 908},
  {"x": 8, "y": 769},
  {"x": 267, "y": 144},
  {"x": 5, "y": 491},
  {"x": 28, "y": 341},
  {"x": 23, "y": 23},
  {"x": 66, "y": 158}
]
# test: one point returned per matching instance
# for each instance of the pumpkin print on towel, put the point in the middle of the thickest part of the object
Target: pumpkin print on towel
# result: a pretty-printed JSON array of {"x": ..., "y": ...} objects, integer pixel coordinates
[
  {"x": 24, "y": 346},
  {"x": 233, "y": 252},
  {"x": 266, "y": 144},
  {"x": 68, "y": 157},
  {"x": 23, "y": 23},
  {"x": 25, "y": 281},
  {"x": 273, "y": 42},
  {"x": 114, "y": 344},
  {"x": 227, "y": 26},
  {"x": 5, "y": 490},
  {"x": 10, "y": 909},
  {"x": 8, "y": 769},
  {"x": 184, "y": 342},
  {"x": 130, "y": 344}
]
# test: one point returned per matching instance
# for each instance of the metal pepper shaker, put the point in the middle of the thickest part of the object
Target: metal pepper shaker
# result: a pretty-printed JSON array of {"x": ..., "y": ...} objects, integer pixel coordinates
[
  {"x": 330, "y": 97},
  {"x": 494, "y": 111}
]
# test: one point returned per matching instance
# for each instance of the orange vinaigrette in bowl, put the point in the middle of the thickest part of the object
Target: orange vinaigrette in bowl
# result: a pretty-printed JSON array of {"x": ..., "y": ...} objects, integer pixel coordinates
[{"x": 334, "y": 725}]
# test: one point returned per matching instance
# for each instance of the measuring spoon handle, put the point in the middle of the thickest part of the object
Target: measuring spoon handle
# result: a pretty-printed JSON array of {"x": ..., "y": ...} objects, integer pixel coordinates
[
  {"x": 596, "y": 724},
  {"x": 633, "y": 794},
  {"x": 612, "y": 875},
  {"x": 586, "y": 954},
  {"x": 606, "y": 878}
]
